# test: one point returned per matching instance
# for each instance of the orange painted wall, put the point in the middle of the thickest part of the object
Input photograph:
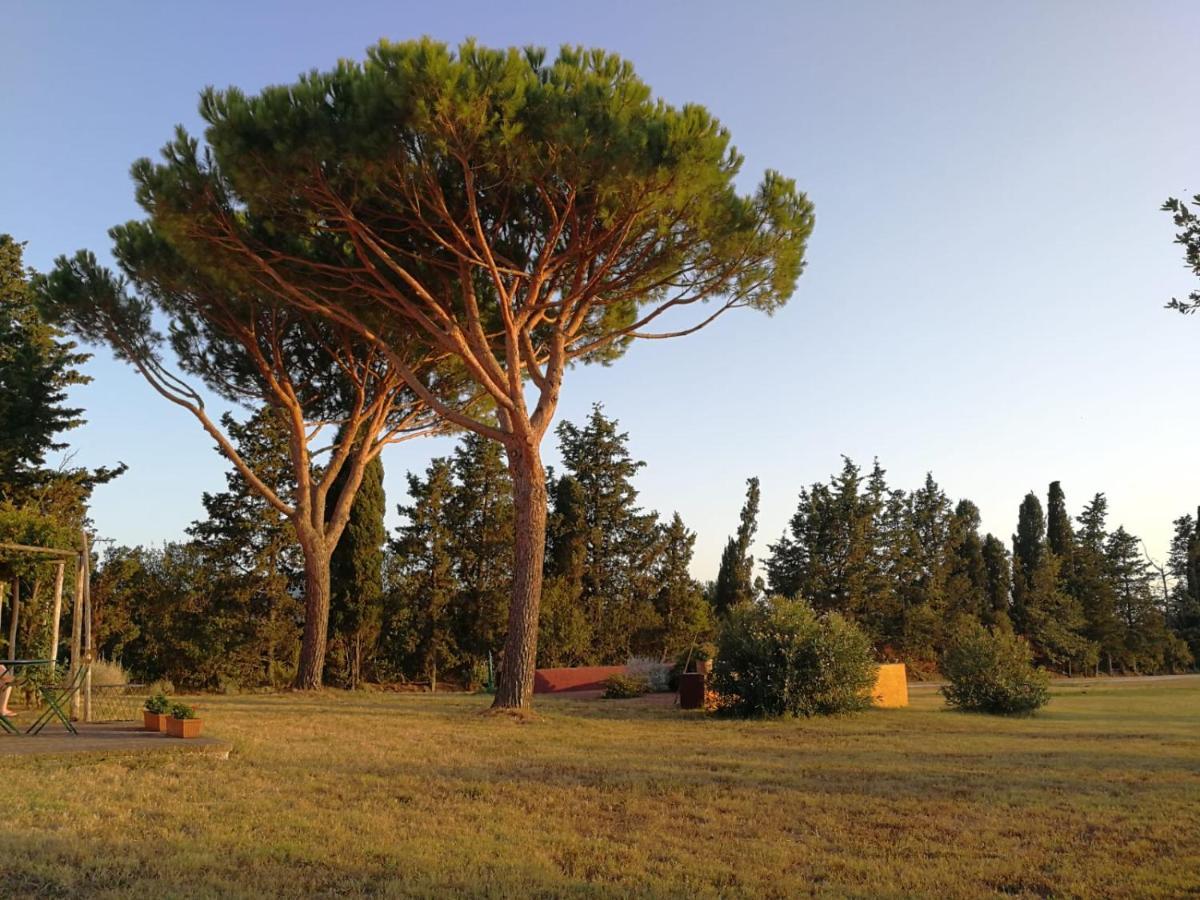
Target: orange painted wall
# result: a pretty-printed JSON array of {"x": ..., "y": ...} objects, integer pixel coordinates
[{"x": 891, "y": 687}]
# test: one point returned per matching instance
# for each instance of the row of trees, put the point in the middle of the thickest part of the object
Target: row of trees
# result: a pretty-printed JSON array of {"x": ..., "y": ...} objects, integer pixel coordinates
[
  {"x": 908, "y": 565},
  {"x": 429, "y": 602}
]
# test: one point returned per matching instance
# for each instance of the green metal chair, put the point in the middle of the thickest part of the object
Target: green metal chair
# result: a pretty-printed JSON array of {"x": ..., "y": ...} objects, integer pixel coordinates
[{"x": 57, "y": 697}]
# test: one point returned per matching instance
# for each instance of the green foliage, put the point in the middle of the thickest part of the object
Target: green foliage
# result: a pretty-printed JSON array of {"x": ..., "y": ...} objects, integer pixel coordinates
[
  {"x": 684, "y": 615},
  {"x": 480, "y": 517},
  {"x": 888, "y": 558},
  {"x": 624, "y": 687},
  {"x": 182, "y": 711},
  {"x": 564, "y": 634},
  {"x": 417, "y": 118},
  {"x": 735, "y": 577},
  {"x": 780, "y": 658},
  {"x": 997, "y": 581},
  {"x": 1188, "y": 237},
  {"x": 37, "y": 367},
  {"x": 991, "y": 671},
  {"x": 1054, "y": 619},
  {"x": 255, "y": 562},
  {"x": 356, "y": 573},
  {"x": 1092, "y": 582},
  {"x": 1029, "y": 546},
  {"x": 1183, "y": 562},
  {"x": 1141, "y": 625},
  {"x": 157, "y": 703},
  {"x": 1060, "y": 538},
  {"x": 619, "y": 541},
  {"x": 967, "y": 576},
  {"x": 449, "y": 569},
  {"x": 422, "y": 627},
  {"x": 564, "y": 630}
]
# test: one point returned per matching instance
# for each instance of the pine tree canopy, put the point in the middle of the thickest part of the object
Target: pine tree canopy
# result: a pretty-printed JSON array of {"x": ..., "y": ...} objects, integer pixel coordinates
[{"x": 1188, "y": 236}]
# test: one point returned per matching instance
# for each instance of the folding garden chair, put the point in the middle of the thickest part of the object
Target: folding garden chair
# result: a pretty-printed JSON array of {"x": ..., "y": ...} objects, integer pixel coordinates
[{"x": 57, "y": 697}]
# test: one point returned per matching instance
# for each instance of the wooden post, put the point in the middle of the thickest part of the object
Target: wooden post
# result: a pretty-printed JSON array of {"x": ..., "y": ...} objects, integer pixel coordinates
[
  {"x": 58, "y": 586},
  {"x": 12, "y": 625},
  {"x": 87, "y": 629},
  {"x": 3, "y": 591},
  {"x": 77, "y": 633}
]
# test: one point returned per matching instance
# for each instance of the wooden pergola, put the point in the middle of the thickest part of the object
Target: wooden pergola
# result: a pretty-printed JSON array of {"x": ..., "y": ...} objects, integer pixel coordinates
[{"x": 81, "y": 617}]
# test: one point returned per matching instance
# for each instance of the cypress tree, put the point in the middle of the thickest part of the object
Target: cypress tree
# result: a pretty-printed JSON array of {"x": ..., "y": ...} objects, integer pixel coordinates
[
  {"x": 998, "y": 569},
  {"x": 356, "y": 572},
  {"x": 567, "y": 534},
  {"x": 564, "y": 630},
  {"x": 735, "y": 578},
  {"x": 1029, "y": 546},
  {"x": 1059, "y": 536}
]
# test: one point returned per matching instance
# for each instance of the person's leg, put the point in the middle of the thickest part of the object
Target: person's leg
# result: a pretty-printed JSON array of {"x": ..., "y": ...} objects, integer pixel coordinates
[{"x": 6, "y": 681}]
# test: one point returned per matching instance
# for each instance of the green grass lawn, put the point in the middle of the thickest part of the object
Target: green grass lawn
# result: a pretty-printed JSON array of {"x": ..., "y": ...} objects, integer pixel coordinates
[{"x": 347, "y": 794}]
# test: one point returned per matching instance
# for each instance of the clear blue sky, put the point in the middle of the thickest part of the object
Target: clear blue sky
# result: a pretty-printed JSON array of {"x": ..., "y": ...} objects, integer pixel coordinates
[{"x": 985, "y": 288}]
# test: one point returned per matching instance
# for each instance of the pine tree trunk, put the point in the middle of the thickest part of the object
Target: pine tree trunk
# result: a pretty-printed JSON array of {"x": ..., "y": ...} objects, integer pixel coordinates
[
  {"x": 514, "y": 687},
  {"x": 316, "y": 619}
]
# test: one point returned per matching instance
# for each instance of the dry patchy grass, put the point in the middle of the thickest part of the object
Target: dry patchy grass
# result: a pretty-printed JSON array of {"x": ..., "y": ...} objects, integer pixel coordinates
[{"x": 353, "y": 794}]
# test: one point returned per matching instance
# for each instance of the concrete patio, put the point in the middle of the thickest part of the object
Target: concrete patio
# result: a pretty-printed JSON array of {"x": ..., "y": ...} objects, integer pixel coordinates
[{"x": 109, "y": 738}]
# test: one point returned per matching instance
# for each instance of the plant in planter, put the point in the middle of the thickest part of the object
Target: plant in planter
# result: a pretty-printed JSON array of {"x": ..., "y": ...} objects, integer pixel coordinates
[
  {"x": 155, "y": 712},
  {"x": 183, "y": 722}
]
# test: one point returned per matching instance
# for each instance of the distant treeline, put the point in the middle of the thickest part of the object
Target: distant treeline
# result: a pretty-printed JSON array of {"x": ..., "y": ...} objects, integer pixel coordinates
[{"x": 429, "y": 602}]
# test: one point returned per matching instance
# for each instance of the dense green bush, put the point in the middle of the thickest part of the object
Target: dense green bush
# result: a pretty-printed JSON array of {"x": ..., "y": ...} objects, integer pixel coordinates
[
  {"x": 992, "y": 671},
  {"x": 622, "y": 687},
  {"x": 779, "y": 658}
]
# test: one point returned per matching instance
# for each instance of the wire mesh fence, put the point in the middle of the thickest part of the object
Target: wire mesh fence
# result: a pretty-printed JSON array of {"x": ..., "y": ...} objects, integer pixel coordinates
[{"x": 118, "y": 702}]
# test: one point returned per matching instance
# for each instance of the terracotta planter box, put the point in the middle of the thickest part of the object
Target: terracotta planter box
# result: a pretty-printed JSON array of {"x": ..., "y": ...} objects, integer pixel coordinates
[
  {"x": 154, "y": 721},
  {"x": 183, "y": 728}
]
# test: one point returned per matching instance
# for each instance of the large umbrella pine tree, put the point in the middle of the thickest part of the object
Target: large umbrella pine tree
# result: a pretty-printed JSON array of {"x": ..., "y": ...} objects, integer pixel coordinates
[
  {"x": 511, "y": 215},
  {"x": 338, "y": 397}
]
